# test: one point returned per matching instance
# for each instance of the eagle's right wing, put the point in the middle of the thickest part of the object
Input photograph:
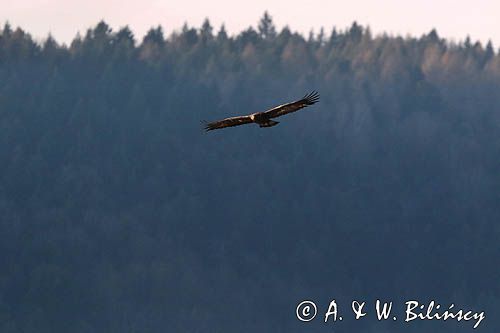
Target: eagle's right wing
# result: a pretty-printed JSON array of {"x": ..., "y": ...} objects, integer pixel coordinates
[
  {"x": 283, "y": 109},
  {"x": 228, "y": 122}
]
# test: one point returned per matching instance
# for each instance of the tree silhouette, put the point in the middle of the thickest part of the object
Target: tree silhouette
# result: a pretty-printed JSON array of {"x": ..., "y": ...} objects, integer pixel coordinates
[{"x": 266, "y": 27}]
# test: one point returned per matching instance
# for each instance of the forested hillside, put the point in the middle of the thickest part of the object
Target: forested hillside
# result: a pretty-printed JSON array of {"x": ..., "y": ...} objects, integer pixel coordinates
[{"x": 118, "y": 213}]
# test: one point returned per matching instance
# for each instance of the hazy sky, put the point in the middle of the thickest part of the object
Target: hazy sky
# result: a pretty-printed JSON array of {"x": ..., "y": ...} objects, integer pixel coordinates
[{"x": 452, "y": 18}]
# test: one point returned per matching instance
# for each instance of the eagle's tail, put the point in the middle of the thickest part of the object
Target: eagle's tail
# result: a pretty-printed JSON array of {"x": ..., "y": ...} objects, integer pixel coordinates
[{"x": 269, "y": 123}]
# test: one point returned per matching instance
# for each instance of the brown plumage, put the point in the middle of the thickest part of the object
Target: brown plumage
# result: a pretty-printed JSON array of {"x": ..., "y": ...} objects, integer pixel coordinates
[{"x": 263, "y": 119}]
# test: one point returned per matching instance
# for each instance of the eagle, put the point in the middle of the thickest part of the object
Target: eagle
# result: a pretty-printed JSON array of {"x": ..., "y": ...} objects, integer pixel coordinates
[{"x": 263, "y": 119}]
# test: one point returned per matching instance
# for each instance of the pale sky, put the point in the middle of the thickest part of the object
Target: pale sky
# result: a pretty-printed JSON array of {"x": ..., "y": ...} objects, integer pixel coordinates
[{"x": 453, "y": 19}]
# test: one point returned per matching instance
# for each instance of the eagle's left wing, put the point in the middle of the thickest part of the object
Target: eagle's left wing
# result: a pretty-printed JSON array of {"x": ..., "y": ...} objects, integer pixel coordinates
[
  {"x": 228, "y": 122},
  {"x": 283, "y": 109}
]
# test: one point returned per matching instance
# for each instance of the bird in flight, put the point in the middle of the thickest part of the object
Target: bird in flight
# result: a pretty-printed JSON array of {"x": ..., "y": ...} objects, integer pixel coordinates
[{"x": 263, "y": 119}]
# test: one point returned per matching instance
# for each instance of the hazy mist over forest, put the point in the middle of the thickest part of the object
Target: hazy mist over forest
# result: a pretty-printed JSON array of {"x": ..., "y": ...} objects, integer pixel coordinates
[{"x": 119, "y": 214}]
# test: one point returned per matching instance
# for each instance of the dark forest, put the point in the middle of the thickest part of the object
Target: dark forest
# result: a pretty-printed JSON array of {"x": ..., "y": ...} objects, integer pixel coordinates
[{"x": 118, "y": 213}]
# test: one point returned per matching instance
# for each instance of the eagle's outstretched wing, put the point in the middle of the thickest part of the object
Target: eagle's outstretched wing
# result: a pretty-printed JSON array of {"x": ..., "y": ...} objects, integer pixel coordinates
[
  {"x": 228, "y": 122},
  {"x": 283, "y": 109}
]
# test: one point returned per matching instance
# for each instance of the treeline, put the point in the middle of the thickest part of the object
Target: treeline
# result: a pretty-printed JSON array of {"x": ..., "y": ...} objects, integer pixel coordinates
[{"x": 118, "y": 214}]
